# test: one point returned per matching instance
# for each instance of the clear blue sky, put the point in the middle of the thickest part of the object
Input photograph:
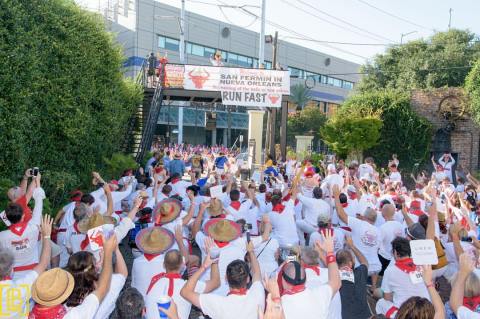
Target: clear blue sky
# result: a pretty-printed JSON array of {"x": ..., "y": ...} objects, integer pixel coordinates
[{"x": 352, "y": 21}]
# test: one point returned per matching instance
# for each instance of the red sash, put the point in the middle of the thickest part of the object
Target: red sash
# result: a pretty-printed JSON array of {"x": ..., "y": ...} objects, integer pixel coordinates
[
  {"x": 406, "y": 265},
  {"x": 18, "y": 228},
  {"x": 278, "y": 208},
  {"x": 25, "y": 267},
  {"x": 390, "y": 312},
  {"x": 235, "y": 205},
  {"x": 55, "y": 312},
  {"x": 170, "y": 277},
  {"x": 471, "y": 303},
  {"x": 238, "y": 291},
  {"x": 85, "y": 242}
]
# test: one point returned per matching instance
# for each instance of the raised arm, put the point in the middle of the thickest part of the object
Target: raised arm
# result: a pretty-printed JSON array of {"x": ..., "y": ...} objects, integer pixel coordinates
[
  {"x": 432, "y": 219},
  {"x": 255, "y": 266},
  {"x": 340, "y": 211},
  {"x": 361, "y": 258},
  {"x": 24, "y": 182},
  {"x": 46, "y": 231},
  {"x": 191, "y": 209},
  {"x": 197, "y": 224},
  {"x": 179, "y": 240},
  {"x": 188, "y": 290},
  {"x": 214, "y": 281},
  {"x": 333, "y": 275},
  {"x": 108, "y": 194},
  {"x": 467, "y": 265},
  {"x": 103, "y": 283},
  {"x": 434, "y": 296},
  {"x": 120, "y": 264}
]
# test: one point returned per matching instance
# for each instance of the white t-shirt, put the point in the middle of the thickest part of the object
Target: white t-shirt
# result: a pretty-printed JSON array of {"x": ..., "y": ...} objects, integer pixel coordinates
[
  {"x": 143, "y": 270},
  {"x": 332, "y": 179},
  {"x": 452, "y": 267},
  {"x": 365, "y": 171},
  {"x": 316, "y": 280},
  {"x": 283, "y": 225},
  {"x": 242, "y": 212},
  {"x": 395, "y": 177},
  {"x": 68, "y": 220},
  {"x": 234, "y": 306},
  {"x": 465, "y": 313},
  {"x": 312, "y": 303},
  {"x": 388, "y": 232},
  {"x": 399, "y": 283},
  {"x": 86, "y": 310},
  {"x": 27, "y": 280},
  {"x": 266, "y": 259},
  {"x": 367, "y": 239},
  {"x": 313, "y": 208},
  {"x": 161, "y": 289},
  {"x": 108, "y": 303},
  {"x": 338, "y": 238}
]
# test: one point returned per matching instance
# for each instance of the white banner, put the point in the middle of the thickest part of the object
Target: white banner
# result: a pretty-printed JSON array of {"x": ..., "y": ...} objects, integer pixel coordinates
[{"x": 238, "y": 86}]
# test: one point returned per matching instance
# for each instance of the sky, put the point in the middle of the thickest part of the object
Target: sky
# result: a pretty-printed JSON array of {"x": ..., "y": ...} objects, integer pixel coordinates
[{"x": 311, "y": 22}]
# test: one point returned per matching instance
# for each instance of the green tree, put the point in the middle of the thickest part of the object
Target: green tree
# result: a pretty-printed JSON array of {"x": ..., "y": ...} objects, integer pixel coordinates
[
  {"x": 64, "y": 103},
  {"x": 351, "y": 135},
  {"x": 403, "y": 132},
  {"x": 305, "y": 122},
  {"x": 446, "y": 56},
  {"x": 300, "y": 95},
  {"x": 472, "y": 86}
]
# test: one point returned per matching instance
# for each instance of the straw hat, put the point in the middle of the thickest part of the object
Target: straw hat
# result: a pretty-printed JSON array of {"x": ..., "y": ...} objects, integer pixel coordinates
[
  {"x": 94, "y": 221},
  {"x": 222, "y": 230},
  {"x": 177, "y": 156},
  {"x": 154, "y": 240},
  {"x": 166, "y": 211},
  {"x": 215, "y": 208},
  {"x": 52, "y": 287}
]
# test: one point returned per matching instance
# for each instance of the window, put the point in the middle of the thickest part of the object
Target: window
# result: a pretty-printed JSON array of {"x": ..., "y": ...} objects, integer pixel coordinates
[
  {"x": 330, "y": 81},
  {"x": 161, "y": 42},
  {"x": 347, "y": 85},
  {"x": 197, "y": 50},
  {"x": 337, "y": 83},
  {"x": 268, "y": 65},
  {"x": 208, "y": 52},
  {"x": 296, "y": 73},
  {"x": 168, "y": 43}
]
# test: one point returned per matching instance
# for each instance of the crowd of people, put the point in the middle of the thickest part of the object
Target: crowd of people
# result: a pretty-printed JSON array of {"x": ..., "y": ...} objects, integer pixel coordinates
[{"x": 295, "y": 240}]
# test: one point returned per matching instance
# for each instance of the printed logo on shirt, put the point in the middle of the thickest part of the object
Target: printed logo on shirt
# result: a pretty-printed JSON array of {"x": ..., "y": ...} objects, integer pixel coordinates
[
  {"x": 369, "y": 238},
  {"x": 16, "y": 300},
  {"x": 20, "y": 244}
]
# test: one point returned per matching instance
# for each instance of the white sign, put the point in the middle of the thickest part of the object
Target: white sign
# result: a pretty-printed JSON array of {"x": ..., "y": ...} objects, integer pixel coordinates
[
  {"x": 216, "y": 191},
  {"x": 424, "y": 252},
  {"x": 95, "y": 235},
  {"x": 251, "y": 99}
]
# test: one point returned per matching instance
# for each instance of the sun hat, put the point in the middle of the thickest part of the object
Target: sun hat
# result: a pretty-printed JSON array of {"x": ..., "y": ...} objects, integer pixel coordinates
[
  {"x": 223, "y": 230},
  {"x": 154, "y": 240},
  {"x": 93, "y": 221},
  {"x": 215, "y": 208},
  {"x": 166, "y": 211},
  {"x": 177, "y": 156},
  {"x": 52, "y": 287}
]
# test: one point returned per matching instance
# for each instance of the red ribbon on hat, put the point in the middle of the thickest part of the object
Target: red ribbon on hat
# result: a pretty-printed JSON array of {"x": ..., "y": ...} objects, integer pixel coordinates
[{"x": 170, "y": 276}]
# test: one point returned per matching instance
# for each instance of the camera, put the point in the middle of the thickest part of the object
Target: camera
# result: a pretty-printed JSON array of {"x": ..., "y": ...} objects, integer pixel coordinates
[{"x": 34, "y": 171}]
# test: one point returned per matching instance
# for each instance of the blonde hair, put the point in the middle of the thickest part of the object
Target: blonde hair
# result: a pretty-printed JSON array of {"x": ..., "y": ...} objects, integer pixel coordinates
[{"x": 472, "y": 286}]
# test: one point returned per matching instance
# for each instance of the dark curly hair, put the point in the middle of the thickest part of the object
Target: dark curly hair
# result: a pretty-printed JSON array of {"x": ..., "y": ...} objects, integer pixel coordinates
[{"x": 82, "y": 267}]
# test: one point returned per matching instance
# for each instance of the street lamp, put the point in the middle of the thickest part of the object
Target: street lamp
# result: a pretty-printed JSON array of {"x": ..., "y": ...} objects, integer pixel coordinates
[{"x": 405, "y": 34}]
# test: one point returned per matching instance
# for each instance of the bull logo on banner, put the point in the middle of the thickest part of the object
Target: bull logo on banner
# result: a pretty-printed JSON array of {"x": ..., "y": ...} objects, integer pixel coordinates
[{"x": 199, "y": 77}]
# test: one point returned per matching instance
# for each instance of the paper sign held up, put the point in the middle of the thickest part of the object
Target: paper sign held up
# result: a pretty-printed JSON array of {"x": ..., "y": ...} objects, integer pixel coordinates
[
  {"x": 424, "y": 252},
  {"x": 216, "y": 191}
]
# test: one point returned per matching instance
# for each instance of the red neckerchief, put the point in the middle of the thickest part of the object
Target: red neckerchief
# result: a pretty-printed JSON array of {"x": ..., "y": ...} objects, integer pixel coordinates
[
  {"x": 278, "y": 208},
  {"x": 471, "y": 303},
  {"x": 221, "y": 244},
  {"x": 406, "y": 265},
  {"x": 344, "y": 205},
  {"x": 170, "y": 276},
  {"x": 237, "y": 291},
  {"x": 376, "y": 194},
  {"x": 353, "y": 196},
  {"x": 75, "y": 226},
  {"x": 18, "y": 228},
  {"x": 393, "y": 193},
  {"x": 175, "y": 180},
  {"x": 55, "y": 312},
  {"x": 294, "y": 290},
  {"x": 218, "y": 216},
  {"x": 296, "y": 201},
  {"x": 150, "y": 256},
  {"x": 416, "y": 212},
  {"x": 235, "y": 204},
  {"x": 315, "y": 268},
  {"x": 85, "y": 242}
]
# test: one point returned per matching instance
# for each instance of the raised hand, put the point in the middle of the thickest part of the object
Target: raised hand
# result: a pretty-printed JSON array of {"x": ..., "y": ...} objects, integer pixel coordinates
[
  {"x": 46, "y": 226},
  {"x": 467, "y": 264}
]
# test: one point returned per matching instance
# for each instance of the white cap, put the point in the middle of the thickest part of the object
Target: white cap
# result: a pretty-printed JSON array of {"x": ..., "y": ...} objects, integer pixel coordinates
[{"x": 331, "y": 168}]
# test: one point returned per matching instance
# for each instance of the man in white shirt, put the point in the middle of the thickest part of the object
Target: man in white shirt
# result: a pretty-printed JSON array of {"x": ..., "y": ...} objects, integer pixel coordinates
[
  {"x": 447, "y": 161},
  {"x": 300, "y": 301},
  {"x": 282, "y": 218},
  {"x": 366, "y": 170},
  {"x": 364, "y": 233},
  {"x": 324, "y": 225},
  {"x": 401, "y": 280},
  {"x": 240, "y": 302},
  {"x": 21, "y": 237},
  {"x": 16, "y": 291},
  {"x": 388, "y": 232},
  {"x": 312, "y": 208},
  {"x": 170, "y": 283}
]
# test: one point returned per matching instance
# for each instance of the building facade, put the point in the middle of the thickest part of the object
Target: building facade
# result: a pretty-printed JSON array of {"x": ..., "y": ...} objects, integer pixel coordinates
[{"x": 146, "y": 26}]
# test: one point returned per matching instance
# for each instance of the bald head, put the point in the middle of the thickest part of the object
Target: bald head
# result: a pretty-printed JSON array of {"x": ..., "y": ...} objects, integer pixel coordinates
[
  {"x": 388, "y": 210},
  {"x": 173, "y": 260},
  {"x": 295, "y": 274}
]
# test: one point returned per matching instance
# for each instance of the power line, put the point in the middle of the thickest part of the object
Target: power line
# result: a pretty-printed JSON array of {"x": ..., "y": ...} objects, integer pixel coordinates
[
  {"x": 395, "y": 16},
  {"x": 335, "y": 18},
  {"x": 230, "y": 21},
  {"x": 342, "y": 43}
]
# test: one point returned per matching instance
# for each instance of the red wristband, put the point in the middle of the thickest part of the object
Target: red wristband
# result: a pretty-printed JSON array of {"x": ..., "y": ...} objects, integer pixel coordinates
[
  {"x": 430, "y": 285},
  {"x": 276, "y": 299},
  {"x": 331, "y": 259}
]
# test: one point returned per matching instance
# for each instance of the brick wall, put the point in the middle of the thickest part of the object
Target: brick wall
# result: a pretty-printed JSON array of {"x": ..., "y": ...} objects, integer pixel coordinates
[{"x": 465, "y": 138}]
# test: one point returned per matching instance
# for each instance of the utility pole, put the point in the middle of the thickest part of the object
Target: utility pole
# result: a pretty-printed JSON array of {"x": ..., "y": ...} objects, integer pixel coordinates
[
  {"x": 450, "y": 18},
  {"x": 181, "y": 48},
  {"x": 261, "y": 41},
  {"x": 273, "y": 117}
]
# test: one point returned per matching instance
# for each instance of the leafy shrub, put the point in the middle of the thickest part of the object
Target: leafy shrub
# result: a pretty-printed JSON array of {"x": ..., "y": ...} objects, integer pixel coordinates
[{"x": 119, "y": 162}]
